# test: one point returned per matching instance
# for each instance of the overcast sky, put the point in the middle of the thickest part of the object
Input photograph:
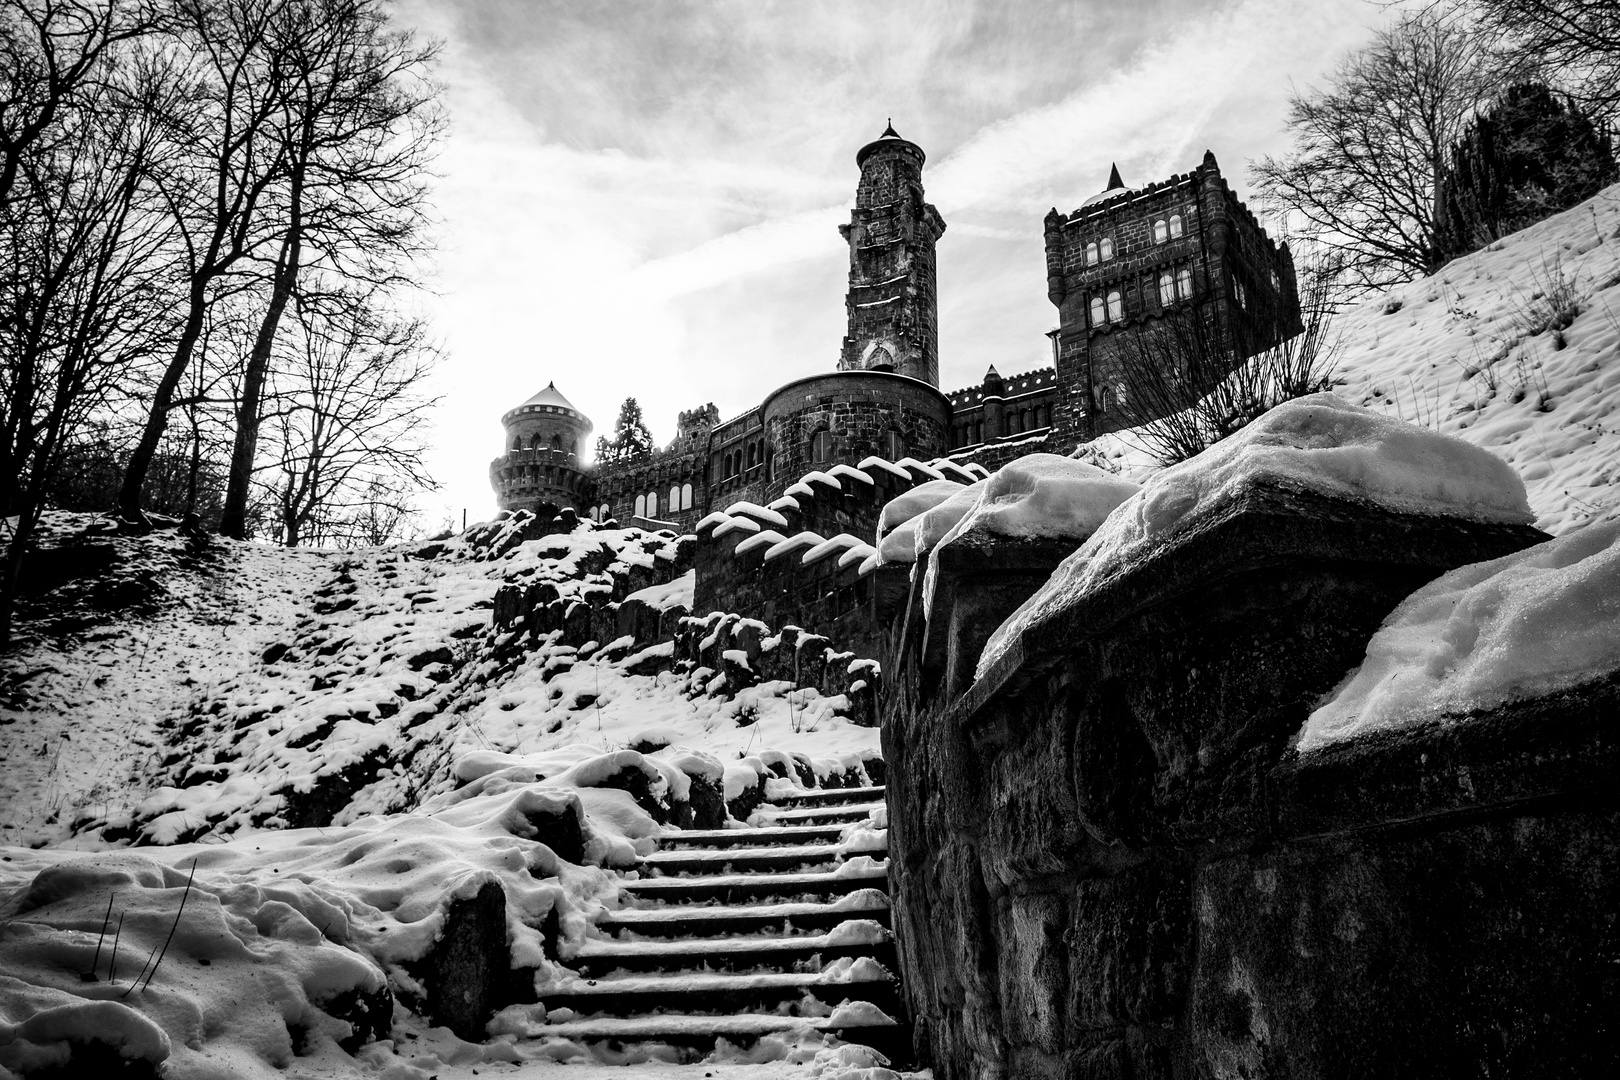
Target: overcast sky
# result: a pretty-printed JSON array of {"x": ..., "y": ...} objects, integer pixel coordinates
[{"x": 643, "y": 197}]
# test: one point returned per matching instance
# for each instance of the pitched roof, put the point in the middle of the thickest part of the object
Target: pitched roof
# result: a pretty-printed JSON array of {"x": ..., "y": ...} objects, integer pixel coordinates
[{"x": 551, "y": 396}]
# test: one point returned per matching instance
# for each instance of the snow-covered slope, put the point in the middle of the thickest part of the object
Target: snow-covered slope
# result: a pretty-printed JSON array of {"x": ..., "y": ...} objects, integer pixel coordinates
[{"x": 1515, "y": 349}]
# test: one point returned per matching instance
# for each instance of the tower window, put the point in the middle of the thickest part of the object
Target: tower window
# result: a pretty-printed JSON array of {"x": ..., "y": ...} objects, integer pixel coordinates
[
  {"x": 1161, "y": 231},
  {"x": 1107, "y": 248},
  {"x": 1167, "y": 289},
  {"x": 1241, "y": 293},
  {"x": 517, "y": 444},
  {"x": 1096, "y": 311},
  {"x": 1105, "y": 399},
  {"x": 556, "y": 443},
  {"x": 675, "y": 497},
  {"x": 1184, "y": 284},
  {"x": 534, "y": 442},
  {"x": 686, "y": 496},
  {"x": 821, "y": 446},
  {"x": 1091, "y": 254},
  {"x": 1175, "y": 226},
  {"x": 641, "y": 506},
  {"x": 1116, "y": 307},
  {"x": 896, "y": 444},
  {"x": 880, "y": 360}
]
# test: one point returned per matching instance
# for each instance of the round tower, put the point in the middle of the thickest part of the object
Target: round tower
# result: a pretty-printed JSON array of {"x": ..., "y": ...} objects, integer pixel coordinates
[
  {"x": 540, "y": 468},
  {"x": 892, "y": 304}
]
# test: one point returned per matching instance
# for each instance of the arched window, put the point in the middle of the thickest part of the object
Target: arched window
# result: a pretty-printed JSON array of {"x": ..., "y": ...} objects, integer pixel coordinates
[
  {"x": 686, "y": 496},
  {"x": 517, "y": 444},
  {"x": 534, "y": 442},
  {"x": 1120, "y": 394},
  {"x": 1091, "y": 254},
  {"x": 752, "y": 461},
  {"x": 652, "y": 504},
  {"x": 1107, "y": 248},
  {"x": 1240, "y": 293},
  {"x": 821, "y": 445},
  {"x": 641, "y": 506},
  {"x": 1012, "y": 422},
  {"x": 895, "y": 444},
  {"x": 880, "y": 360},
  {"x": 1184, "y": 284},
  {"x": 1175, "y": 226},
  {"x": 675, "y": 497},
  {"x": 1161, "y": 231},
  {"x": 1105, "y": 399},
  {"x": 556, "y": 443},
  {"x": 1097, "y": 311},
  {"x": 1167, "y": 289},
  {"x": 1116, "y": 307},
  {"x": 978, "y": 432}
]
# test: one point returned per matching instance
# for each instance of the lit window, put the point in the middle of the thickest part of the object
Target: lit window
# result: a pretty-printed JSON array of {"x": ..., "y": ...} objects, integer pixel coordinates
[
  {"x": 1116, "y": 307},
  {"x": 1107, "y": 248},
  {"x": 1175, "y": 226},
  {"x": 641, "y": 506},
  {"x": 686, "y": 496},
  {"x": 675, "y": 497},
  {"x": 1167, "y": 289},
  {"x": 1096, "y": 311},
  {"x": 1161, "y": 231},
  {"x": 1091, "y": 254},
  {"x": 1184, "y": 284}
]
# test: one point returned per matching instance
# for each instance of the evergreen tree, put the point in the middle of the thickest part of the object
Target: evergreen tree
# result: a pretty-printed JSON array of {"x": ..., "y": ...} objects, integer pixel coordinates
[
  {"x": 631, "y": 439},
  {"x": 1527, "y": 157}
]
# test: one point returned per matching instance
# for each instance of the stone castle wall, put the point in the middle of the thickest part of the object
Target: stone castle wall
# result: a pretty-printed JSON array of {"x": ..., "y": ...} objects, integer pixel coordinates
[{"x": 863, "y": 412}]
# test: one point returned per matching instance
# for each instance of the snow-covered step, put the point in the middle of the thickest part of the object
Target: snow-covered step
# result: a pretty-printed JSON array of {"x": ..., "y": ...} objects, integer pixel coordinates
[
  {"x": 699, "y": 1033},
  {"x": 832, "y": 797},
  {"x": 692, "y": 994},
  {"x": 741, "y": 860},
  {"x": 771, "y": 815},
  {"x": 762, "y": 837},
  {"x": 739, "y": 888},
  {"x": 853, "y": 938},
  {"x": 800, "y": 917}
]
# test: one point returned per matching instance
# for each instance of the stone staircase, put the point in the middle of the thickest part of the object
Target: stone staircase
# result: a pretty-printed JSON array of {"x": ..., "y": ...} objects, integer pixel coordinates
[{"x": 743, "y": 933}]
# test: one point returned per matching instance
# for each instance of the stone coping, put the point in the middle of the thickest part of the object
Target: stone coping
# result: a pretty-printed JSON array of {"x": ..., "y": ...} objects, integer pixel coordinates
[
  {"x": 880, "y": 378},
  {"x": 1263, "y": 525}
]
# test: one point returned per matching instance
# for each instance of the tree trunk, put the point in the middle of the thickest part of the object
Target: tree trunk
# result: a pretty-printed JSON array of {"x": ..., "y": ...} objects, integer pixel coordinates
[
  {"x": 233, "y": 521},
  {"x": 140, "y": 461}
]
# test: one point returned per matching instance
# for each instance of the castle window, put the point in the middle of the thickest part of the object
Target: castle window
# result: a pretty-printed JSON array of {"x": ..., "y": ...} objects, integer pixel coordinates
[
  {"x": 1116, "y": 307},
  {"x": 675, "y": 497},
  {"x": 880, "y": 360},
  {"x": 517, "y": 444},
  {"x": 556, "y": 443},
  {"x": 1105, "y": 399},
  {"x": 1096, "y": 311},
  {"x": 534, "y": 442},
  {"x": 1184, "y": 284},
  {"x": 652, "y": 504},
  {"x": 752, "y": 460},
  {"x": 1241, "y": 293},
  {"x": 1275, "y": 284},
  {"x": 1091, "y": 254},
  {"x": 1107, "y": 248},
  {"x": 1167, "y": 289},
  {"x": 606, "y": 512},
  {"x": 896, "y": 444},
  {"x": 978, "y": 432},
  {"x": 1175, "y": 226},
  {"x": 686, "y": 496},
  {"x": 821, "y": 446},
  {"x": 641, "y": 506},
  {"x": 1161, "y": 231}
]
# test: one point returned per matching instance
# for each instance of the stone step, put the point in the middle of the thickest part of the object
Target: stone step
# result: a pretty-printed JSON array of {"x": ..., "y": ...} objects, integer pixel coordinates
[
  {"x": 832, "y": 797},
  {"x": 598, "y": 958},
  {"x": 741, "y": 888},
  {"x": 770, "y": 815},
  {"x": 762, "y": 837},
  {"x": 702, "y": 922},
  {"x": 697, "y": 1034},
  {"x": 718, "y": 994},
  {"x": 745, "y": 860}
]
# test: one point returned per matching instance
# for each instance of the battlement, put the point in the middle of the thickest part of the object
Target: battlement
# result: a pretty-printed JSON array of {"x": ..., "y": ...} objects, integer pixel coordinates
[{"x": 1029, "y": 382}]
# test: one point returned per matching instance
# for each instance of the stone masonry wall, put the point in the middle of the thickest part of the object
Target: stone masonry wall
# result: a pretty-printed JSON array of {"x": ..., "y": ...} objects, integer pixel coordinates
[{"x": 1107, "y": 862}]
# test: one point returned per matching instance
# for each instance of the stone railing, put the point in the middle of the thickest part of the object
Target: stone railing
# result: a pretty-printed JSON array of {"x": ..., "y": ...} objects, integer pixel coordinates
[{"x": 1107, "y": 861}]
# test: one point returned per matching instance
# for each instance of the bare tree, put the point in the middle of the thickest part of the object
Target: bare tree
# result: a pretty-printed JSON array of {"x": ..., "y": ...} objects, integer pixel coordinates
[
  {"x": 1369, "y": 149},
  {"x": 84, "y": 289},
  {"x": 215, "y": 187},
  {"x": 1575, "y": 43},
  {"x": 348, "y": 416},
  {"x": 1187, "y": 382},
  {"x": 356, "y": 122}
]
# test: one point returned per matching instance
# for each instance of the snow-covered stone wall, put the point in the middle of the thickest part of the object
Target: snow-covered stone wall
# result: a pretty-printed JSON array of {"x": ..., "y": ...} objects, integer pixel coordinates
[{"x": 1112, "y": 855}]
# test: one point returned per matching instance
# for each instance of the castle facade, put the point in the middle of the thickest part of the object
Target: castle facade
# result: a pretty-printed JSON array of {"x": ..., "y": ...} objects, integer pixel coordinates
[{"x": 1117, "y": 268}]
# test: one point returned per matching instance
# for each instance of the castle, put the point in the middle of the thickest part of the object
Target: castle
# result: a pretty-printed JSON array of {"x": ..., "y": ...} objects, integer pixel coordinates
[{"x": 1117, "y": 267}]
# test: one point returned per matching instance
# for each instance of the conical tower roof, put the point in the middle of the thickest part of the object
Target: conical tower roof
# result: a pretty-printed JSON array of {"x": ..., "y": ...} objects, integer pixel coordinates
[
  {"x": 1116, "y": 186},
  {"x": 890, "y": 137},
  {"x": 551, "y": 396}
]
